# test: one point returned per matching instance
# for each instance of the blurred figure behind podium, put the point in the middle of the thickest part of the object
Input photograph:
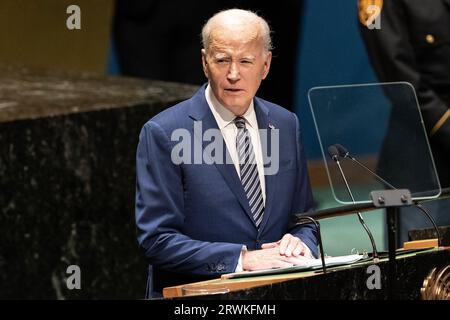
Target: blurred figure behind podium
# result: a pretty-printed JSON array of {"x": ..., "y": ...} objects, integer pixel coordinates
[
  {"x": 161, "y": 40},
  {"x": 412, "y": 44}
]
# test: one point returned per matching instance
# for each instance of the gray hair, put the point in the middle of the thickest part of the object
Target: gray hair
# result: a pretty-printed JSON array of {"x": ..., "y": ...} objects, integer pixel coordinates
[{"x": 250, "y": 16}]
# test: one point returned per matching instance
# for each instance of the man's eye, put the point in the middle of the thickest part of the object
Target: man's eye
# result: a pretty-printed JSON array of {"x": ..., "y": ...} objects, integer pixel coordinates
[
  {"x": 246, "y": 62},
  {"x": 221, "y": 61}
]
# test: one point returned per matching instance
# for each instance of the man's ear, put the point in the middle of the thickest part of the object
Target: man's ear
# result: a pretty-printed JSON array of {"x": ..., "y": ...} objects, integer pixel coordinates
[
  {"x": 268, "y": 60},
  {"x": 204, "y": 63}
]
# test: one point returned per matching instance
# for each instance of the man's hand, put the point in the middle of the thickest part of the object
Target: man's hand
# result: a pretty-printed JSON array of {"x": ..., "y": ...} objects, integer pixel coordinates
[
  {"x": 269, "y": 258},
  {"x": 289, "y": 246}
]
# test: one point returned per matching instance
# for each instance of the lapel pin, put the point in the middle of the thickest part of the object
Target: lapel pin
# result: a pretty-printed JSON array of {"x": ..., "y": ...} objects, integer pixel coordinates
[{"x": 271, "y": 126}]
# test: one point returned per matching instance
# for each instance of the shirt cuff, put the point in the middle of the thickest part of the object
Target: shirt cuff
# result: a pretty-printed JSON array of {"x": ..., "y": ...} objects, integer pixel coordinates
[{"x": 240, "y": 267}]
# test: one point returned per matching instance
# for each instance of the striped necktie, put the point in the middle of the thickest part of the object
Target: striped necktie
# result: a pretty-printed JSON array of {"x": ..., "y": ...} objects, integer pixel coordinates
[{"x": 249, "y": 171}]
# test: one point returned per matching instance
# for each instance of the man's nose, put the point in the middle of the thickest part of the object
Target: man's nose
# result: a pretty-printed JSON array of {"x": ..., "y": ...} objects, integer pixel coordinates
[{"x": 233, "y": 72}]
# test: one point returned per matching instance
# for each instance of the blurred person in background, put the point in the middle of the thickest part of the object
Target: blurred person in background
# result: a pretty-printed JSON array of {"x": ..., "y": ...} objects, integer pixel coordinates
[
  {"x": 160, "y": 40},
  {"x": 412, "y": 44}
]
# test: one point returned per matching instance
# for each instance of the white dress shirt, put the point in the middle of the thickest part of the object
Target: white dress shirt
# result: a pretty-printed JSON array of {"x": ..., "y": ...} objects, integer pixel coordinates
[{"x": 224, "y": 119}]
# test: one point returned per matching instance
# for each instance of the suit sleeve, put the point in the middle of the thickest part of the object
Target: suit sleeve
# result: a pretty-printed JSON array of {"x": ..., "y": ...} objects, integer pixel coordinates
[
  {"x": 159, "y": 213},
  {"x": 393, "y": 56},
  {"x": 303, "y": 199}
]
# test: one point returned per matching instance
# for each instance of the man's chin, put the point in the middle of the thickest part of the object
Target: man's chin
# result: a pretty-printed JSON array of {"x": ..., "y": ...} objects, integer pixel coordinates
[{"x": 237, "y": 109}]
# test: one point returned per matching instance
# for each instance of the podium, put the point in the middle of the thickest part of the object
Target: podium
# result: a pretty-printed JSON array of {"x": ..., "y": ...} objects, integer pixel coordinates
[
  {"x": 349, "y": 282},
  {"x": 397, "y": 274}
]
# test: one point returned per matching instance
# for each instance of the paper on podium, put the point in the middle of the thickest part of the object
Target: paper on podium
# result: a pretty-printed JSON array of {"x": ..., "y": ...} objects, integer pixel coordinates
[{"x": 310, "y": 265}]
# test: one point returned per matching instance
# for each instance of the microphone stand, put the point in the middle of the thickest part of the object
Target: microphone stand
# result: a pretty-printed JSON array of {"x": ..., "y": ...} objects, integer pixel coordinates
[
  {"x": 319, "y": 237},
  {"x": 436, "y": 229},
  {"x": 391, "y": 200},
  {"x": 361, "y": 220},
  {"x": 347, "y": 155}
]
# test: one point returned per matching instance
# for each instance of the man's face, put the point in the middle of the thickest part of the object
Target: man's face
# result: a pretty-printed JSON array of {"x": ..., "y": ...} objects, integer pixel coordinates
[{"x": 235, "y": 64}]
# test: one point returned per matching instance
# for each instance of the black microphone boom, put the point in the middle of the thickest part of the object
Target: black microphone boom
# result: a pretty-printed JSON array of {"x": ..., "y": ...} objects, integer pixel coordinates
[
  {"x": 334, "y": 154},
  {"x": 340, "y": 150},
  {"x": 343, "y": 152}
]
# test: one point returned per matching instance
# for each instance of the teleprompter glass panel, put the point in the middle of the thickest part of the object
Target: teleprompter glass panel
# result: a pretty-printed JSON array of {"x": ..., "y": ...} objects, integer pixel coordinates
[{"x": 376, "y": 127}]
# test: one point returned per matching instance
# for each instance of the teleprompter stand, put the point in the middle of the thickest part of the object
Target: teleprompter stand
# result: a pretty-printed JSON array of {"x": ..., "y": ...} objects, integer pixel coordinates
[{"x": 392, "y": 200}]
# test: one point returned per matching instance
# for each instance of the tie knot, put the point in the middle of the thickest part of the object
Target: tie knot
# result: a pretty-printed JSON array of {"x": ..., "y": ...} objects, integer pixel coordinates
[{"x": 239, "y": 122}]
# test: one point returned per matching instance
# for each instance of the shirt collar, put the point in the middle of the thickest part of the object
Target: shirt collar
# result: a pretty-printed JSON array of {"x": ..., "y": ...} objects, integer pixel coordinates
[{"x": 223, "y": 116}]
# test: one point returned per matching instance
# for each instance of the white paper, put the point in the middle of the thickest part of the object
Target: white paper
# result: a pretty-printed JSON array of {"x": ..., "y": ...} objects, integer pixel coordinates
[{"x": 309, "y": 264}]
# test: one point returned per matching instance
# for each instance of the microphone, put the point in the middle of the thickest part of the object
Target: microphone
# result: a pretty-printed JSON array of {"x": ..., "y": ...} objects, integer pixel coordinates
[
  {"x": 333, "y": 151},
  {"x": 344, "y": 153}
]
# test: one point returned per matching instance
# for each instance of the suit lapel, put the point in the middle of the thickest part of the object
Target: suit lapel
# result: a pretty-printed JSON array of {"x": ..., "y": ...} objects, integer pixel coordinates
[
  {"x": 264, "y": 122},
  {"x": 200, "y": 112}
]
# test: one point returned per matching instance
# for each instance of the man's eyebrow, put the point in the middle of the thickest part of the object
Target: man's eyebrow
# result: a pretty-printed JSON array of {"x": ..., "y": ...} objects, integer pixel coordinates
[{"x": 222, "y": 55}]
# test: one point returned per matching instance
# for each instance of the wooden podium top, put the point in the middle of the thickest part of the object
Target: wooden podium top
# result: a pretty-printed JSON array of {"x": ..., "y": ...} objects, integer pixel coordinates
[
  {"x": 225, "y": 285},
  {"x": 218, "y": 285}
]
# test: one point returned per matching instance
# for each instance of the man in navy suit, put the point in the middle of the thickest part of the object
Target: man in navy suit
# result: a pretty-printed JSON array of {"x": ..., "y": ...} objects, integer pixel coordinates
[{"x": 220, "y": 175}]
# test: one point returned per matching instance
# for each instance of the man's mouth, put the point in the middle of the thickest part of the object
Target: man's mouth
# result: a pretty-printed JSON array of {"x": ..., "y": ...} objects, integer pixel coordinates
[{"x": 233, "y": 90}]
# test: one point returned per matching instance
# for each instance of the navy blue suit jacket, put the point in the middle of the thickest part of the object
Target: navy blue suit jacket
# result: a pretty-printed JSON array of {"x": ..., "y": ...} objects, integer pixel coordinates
[{"x": 193, "y": 219}]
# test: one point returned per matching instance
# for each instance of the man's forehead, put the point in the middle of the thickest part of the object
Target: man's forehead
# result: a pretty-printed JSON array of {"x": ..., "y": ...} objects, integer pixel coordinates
[
  {"x": 235, "y": 33},
  {"x": 248, "y": 51},
  {"x": 239, "y": 44}
]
